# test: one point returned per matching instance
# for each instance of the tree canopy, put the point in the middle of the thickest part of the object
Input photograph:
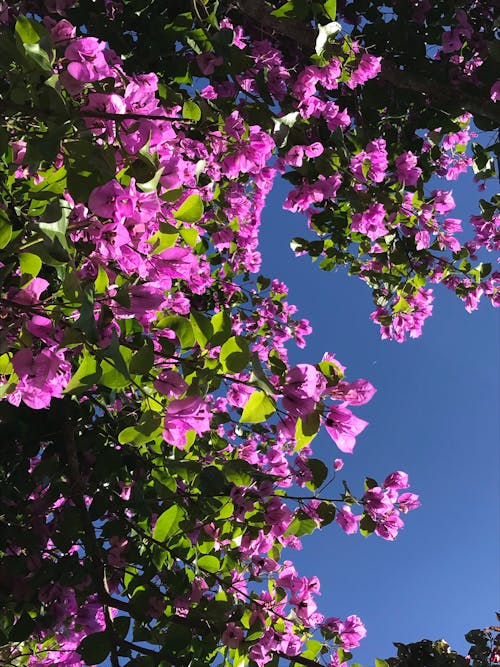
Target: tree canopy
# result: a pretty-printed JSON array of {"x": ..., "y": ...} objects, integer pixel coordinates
[{"x": 158, "y": 452}]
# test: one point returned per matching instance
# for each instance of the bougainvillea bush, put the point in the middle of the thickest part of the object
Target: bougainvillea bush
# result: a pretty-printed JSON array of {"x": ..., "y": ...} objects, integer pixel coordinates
[{"x": 157, "y": 446}]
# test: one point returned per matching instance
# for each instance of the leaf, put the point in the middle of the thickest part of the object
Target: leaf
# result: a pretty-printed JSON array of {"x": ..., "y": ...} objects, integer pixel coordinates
[
  {"x": 54, "y": 221},
  {"x": 324, "y": 33},
  {"x": 222, "y": 326},
  {"x": 30, "y": 267},
  {"x": 140, "y": 434},
  {"x": 87, "y": 375},
  {"x": 234, "y": 355},
  {"x": 101, "y": 283},
  {"x": 5, "y": 230},
  {"x": 182, "y": 327},
  {"x": 191, "y": 210},
  {"x": 95, "y": 648},
  {"x": 211, "y": 481},
  {"x": 367, "y": 525},
  {"x": 330, "y": 7},
  {"x": 306, "y": 430},
  {"x": 165, "y": 524},
  {"x": 202, "y": 328},
  {"x": 209, "y": 563},
  {"x": 258, "y": 408},
  {"x": 115, "y": 365},
  {"x": 142, "y": 361},
  {"x": 22, "y": 628},
  {"x": 121, "y": 625},
  {"x": 326, "y": 512},
  {"x": 27, "y": 30},
  {"x": 381, "y": 663},
  {"x": 152, "y": 184},
  {"x": 191, "y": 111},
  {"x": 293, "y": 9},
  {"x": 301, "y": 525},
  {"x": 319, "y": 472}
]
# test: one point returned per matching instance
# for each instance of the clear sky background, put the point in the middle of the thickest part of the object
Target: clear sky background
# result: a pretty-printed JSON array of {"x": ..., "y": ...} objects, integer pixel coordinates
[{"x": 435, "y": 415}]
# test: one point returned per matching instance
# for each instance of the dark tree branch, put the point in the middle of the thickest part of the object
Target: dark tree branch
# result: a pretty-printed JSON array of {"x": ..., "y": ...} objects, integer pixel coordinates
[
  {"x": 439, "y": 95},
  {"x": 91, "y": 544}
]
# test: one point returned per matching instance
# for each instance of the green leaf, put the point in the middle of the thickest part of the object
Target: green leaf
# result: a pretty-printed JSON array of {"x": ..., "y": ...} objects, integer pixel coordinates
[
  {"x": 142, "y": 361},
  {"x": 330, "y": 7},
  {"x": 166, "y": 524},
  {"x": 234, "y": 355},
  {"x": 54, "y": 221},
  {"x": 258, "y": 408},
  {"x": 95, "y": 648},
  {"x": 367, "y": 525},
  {"x": 326, "y": 512},
  {"x": 301, "y": 525},
  {"x": 381, "y": 663},
  {"x": 222, "y": 326},
  {"x": 202, "y": 328},
  {"x": 39, "y": 56},
  {"x": 30, "y": 267},
  {"x": 370, "y": 483},
  {"x": 145, "y": 431},
  {"x": 319, "y": 472},
  {"x": 22, "y": 628},
  {"x": 293, "y": 9},
  {"x": 191, "y": 111},
  {"x": 191, "y": 210},
  {"x": 182, "y": 327},
  {"x": 209, "y": 563},
  {"x": 115, "y": 365},
  {"x": 306, "y": 430},
  {"x": 211, "y": 481},
  {"x": 5, "y": 230},
  {"x": 101, "y": 283},
  {"x": 121, "y": 625},
  {"x": 27, "y": 30},
  {"x": 152, "y": 184},
  {"x": 87, "y": 375}
]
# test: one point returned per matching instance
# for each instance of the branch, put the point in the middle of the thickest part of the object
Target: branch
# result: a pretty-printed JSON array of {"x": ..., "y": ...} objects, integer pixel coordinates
[
  {"x": 440, "y": 95},
  {"x": 300, "y": 660},
  {"x": 91, "y": 544}
]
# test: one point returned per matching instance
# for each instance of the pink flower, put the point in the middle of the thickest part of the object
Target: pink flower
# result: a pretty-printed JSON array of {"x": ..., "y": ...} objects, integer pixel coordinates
[
  {"x": 207, "y": 62},
  {"x": 170, "y": 384},
  {"x": 377, "y": 502},
  {"x": 407, "y": 170},
  {"x": 62, "y": 31},
  {"x": 396, "y": 480},
  {"x": 232, "y": 635},
  {"x": 87, "y": 61},
  {"x": 388, "y": 526},
  {"x": 348, "y": 521},
  {"x": 111, "y": 200},
  {"x": 371, "y": 222},
  {"x": 352, "y": 632},
  {"x": 443, "y": 201},
  {"x": 451, "y": 41},
  {"x": 408, "y": 502},
  {"x": 358, "y": 392},
  {"x": 343, "y": 427},
  {"x": 368, "y": 68},
  {"x": 495, "y": 91},
  {"x": 41, "y": 377},
  {"x": 183, "y": 415},
  {"x": 304, "y": 385}
]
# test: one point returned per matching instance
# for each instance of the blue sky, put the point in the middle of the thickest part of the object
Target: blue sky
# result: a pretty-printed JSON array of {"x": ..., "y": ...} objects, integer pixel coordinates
[{"x": 435, "y": 416}]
